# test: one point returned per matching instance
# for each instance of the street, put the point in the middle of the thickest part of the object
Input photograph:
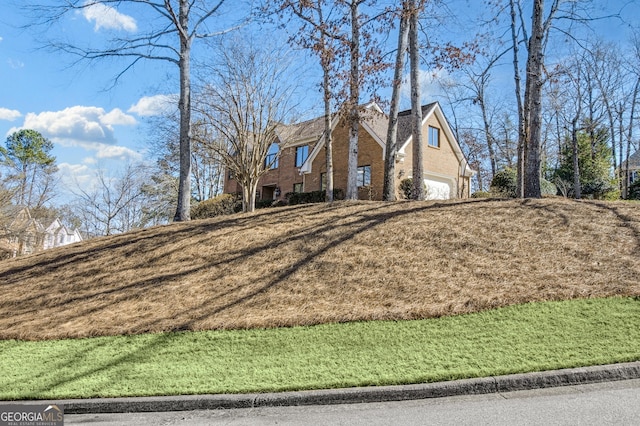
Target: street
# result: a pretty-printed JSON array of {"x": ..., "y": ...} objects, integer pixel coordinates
[{"x": 614, "y": 403}]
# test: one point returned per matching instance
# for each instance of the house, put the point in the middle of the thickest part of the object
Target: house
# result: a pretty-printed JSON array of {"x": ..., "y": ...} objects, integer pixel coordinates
[
  {"x": 634, "y": 172},
  {"x": 57, "y": 235},
  {"x": 22, "y": 234},
  {"x": 298, "y": 162}
]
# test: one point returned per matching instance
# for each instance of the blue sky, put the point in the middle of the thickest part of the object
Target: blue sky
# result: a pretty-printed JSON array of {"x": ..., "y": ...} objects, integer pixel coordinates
[{"x": 91, "y": 123}]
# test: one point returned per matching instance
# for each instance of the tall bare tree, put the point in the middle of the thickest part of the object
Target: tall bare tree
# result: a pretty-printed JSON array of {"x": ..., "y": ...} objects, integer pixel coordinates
[
  {"x": 416, "y": 100},
  {"x": 173, "y": 26},
  {"x": 319, "y": 32},
  {"x": 247, "y": 97},
  {"x": 389, "y": 186}
]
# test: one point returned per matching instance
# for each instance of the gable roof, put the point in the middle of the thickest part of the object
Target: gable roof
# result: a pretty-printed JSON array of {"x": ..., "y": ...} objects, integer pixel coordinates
[
  {"x": 374, "y": 122},
  {"x": 429, "y": 110},
  {"x": 405, "y": 123},
  {"x": 305, "y": 131}
]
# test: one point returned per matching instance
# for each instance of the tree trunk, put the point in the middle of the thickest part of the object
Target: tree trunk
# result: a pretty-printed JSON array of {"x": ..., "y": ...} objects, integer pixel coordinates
[
  {"x": 487, "y": 134},
  {"x": 533, "y": 104},
  {"x": 577, "y": 189},
  {"x": 328, "y": 137},
  {"x": 521, "y": 120},
  {"x": 416, "y": 107},
  {"x": 389, "y": 186},
  {"x": 183, "y": 212},
  {"x": 354, "y": 98},
  {"x": 627, "y": 174}
]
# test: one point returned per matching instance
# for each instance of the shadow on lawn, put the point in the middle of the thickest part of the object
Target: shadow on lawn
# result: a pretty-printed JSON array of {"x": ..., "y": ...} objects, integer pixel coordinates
[
  {"x": 63, "y": 300},
  {"x": 56, "y": 376},
  {"x": 70, "y": 301}
]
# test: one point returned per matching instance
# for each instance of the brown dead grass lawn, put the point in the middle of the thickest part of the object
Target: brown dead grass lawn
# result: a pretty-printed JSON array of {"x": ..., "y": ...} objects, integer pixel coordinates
[{"x": 319, "y": 263}]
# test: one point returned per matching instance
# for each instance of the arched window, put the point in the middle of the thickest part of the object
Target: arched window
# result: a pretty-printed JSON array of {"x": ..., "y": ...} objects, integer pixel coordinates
[{"x": 271, "y": 161}]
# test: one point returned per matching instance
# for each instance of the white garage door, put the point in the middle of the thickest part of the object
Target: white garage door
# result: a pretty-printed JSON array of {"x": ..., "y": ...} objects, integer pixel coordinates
[{"x": 437, "y": 190}]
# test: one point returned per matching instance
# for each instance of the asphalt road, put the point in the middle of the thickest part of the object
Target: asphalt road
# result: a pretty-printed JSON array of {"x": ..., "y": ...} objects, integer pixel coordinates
[{"x": 612, "y": 403}]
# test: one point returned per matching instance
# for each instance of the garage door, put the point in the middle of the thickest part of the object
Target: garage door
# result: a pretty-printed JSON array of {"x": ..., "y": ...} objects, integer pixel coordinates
[{"x": 437, "y": 190}]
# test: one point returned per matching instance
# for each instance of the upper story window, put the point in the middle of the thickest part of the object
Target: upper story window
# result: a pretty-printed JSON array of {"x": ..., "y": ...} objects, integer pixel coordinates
[
  {"x": 434, "y": 137},
  {"x": 364, "y": 175},
  {"x": 271, "y": 161},
  {"x": 302, "y": 152}
]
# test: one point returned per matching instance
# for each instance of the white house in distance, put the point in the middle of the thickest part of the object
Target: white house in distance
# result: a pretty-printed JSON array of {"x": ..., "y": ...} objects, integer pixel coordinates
[{"x": 56, "y": 235}]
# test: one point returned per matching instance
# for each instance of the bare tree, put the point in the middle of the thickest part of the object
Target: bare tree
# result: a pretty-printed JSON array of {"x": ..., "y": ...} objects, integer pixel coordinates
[
  {"x": 319, "y": 32},
  {"x": 169, "y": 38},
  {"x": 245, "y": 101},
  {"x": 416, "y": 98},
  {"x": 354, "y": 98},
  {"x": 114, "y": 203},
  {"x": 389, "y": 189}
]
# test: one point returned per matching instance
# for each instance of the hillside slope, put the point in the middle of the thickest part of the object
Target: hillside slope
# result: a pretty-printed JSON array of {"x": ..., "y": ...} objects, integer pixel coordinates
[{"x": 319, "y": 263}]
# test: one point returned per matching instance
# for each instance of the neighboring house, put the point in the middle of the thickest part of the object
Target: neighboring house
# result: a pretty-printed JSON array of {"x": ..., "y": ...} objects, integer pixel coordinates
[
  {"x": 21, "y": 234},
  {"x": 57, "y": 235},
  {"x": 301, "y": 165},
  {"x": 634, "y": 171}
]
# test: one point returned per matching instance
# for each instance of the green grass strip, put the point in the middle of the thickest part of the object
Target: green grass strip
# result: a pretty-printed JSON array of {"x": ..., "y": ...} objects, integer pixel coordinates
[{"x": 524, "y": 338}]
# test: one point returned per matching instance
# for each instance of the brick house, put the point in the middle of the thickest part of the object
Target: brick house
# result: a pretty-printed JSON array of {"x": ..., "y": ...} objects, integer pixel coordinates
[{"x": 298, "y": 157}]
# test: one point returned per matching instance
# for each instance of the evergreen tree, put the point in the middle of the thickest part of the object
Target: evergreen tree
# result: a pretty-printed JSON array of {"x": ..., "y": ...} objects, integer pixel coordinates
[{"x": 594, "y": 164}]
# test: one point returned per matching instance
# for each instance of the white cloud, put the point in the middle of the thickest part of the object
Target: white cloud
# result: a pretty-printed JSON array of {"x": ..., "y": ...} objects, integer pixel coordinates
[
  {"x": 149, "y": 106},
  {"x": 9, "y": 114},
  {"x": 432, "y": 85},
  {"x": 102, "y": 151},
  {"x": 79, "y": 123},
  {"x": 117, "y": 152},
  {"x": 117, "y": 117},
  {"x": 108, "y": 17},
  {"x": 15, "y": 63}
]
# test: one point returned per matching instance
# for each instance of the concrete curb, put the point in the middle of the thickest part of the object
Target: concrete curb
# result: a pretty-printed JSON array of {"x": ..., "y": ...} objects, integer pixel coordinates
[{"x": 546, "y": 379}]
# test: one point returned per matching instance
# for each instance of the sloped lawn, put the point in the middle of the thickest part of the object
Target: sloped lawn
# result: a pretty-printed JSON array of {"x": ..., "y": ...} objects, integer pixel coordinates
[{"x": 515, "y": 339}]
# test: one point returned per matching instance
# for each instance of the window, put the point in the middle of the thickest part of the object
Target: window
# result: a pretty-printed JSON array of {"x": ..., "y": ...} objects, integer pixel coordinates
[
  {"x": 297, "y": 187},
  {"x": 434, "y": 137},
  {"x": 302, "y": 152},
  {"x": 364, "y": 176},
  {"x": 271, "y": 161}
]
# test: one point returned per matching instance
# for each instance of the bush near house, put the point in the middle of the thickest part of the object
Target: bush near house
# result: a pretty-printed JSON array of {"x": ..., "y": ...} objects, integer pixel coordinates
[
  {"x": 217, "y": 206},
  {"x": 406, "y": 188},
  {"x": 312, "y": 197},
  {"x": 481, "y": 194},
  {"x": 634, "y": 190},
  {"x": 505, "y": 184}
]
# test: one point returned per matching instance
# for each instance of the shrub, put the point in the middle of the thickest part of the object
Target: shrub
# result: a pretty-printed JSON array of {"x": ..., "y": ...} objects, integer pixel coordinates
[
  {"x": 312, "y": 197},
  {"x": 504, "y": 183},
  {"x": 221, "y": 205},
  {"x": 406, "y": 188},
  {"x": 261, "y": 204},
  {"x": 634, "y": 190},
  {"x": 481, "y": 194},
  {"x": 548, "y": 188}
]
